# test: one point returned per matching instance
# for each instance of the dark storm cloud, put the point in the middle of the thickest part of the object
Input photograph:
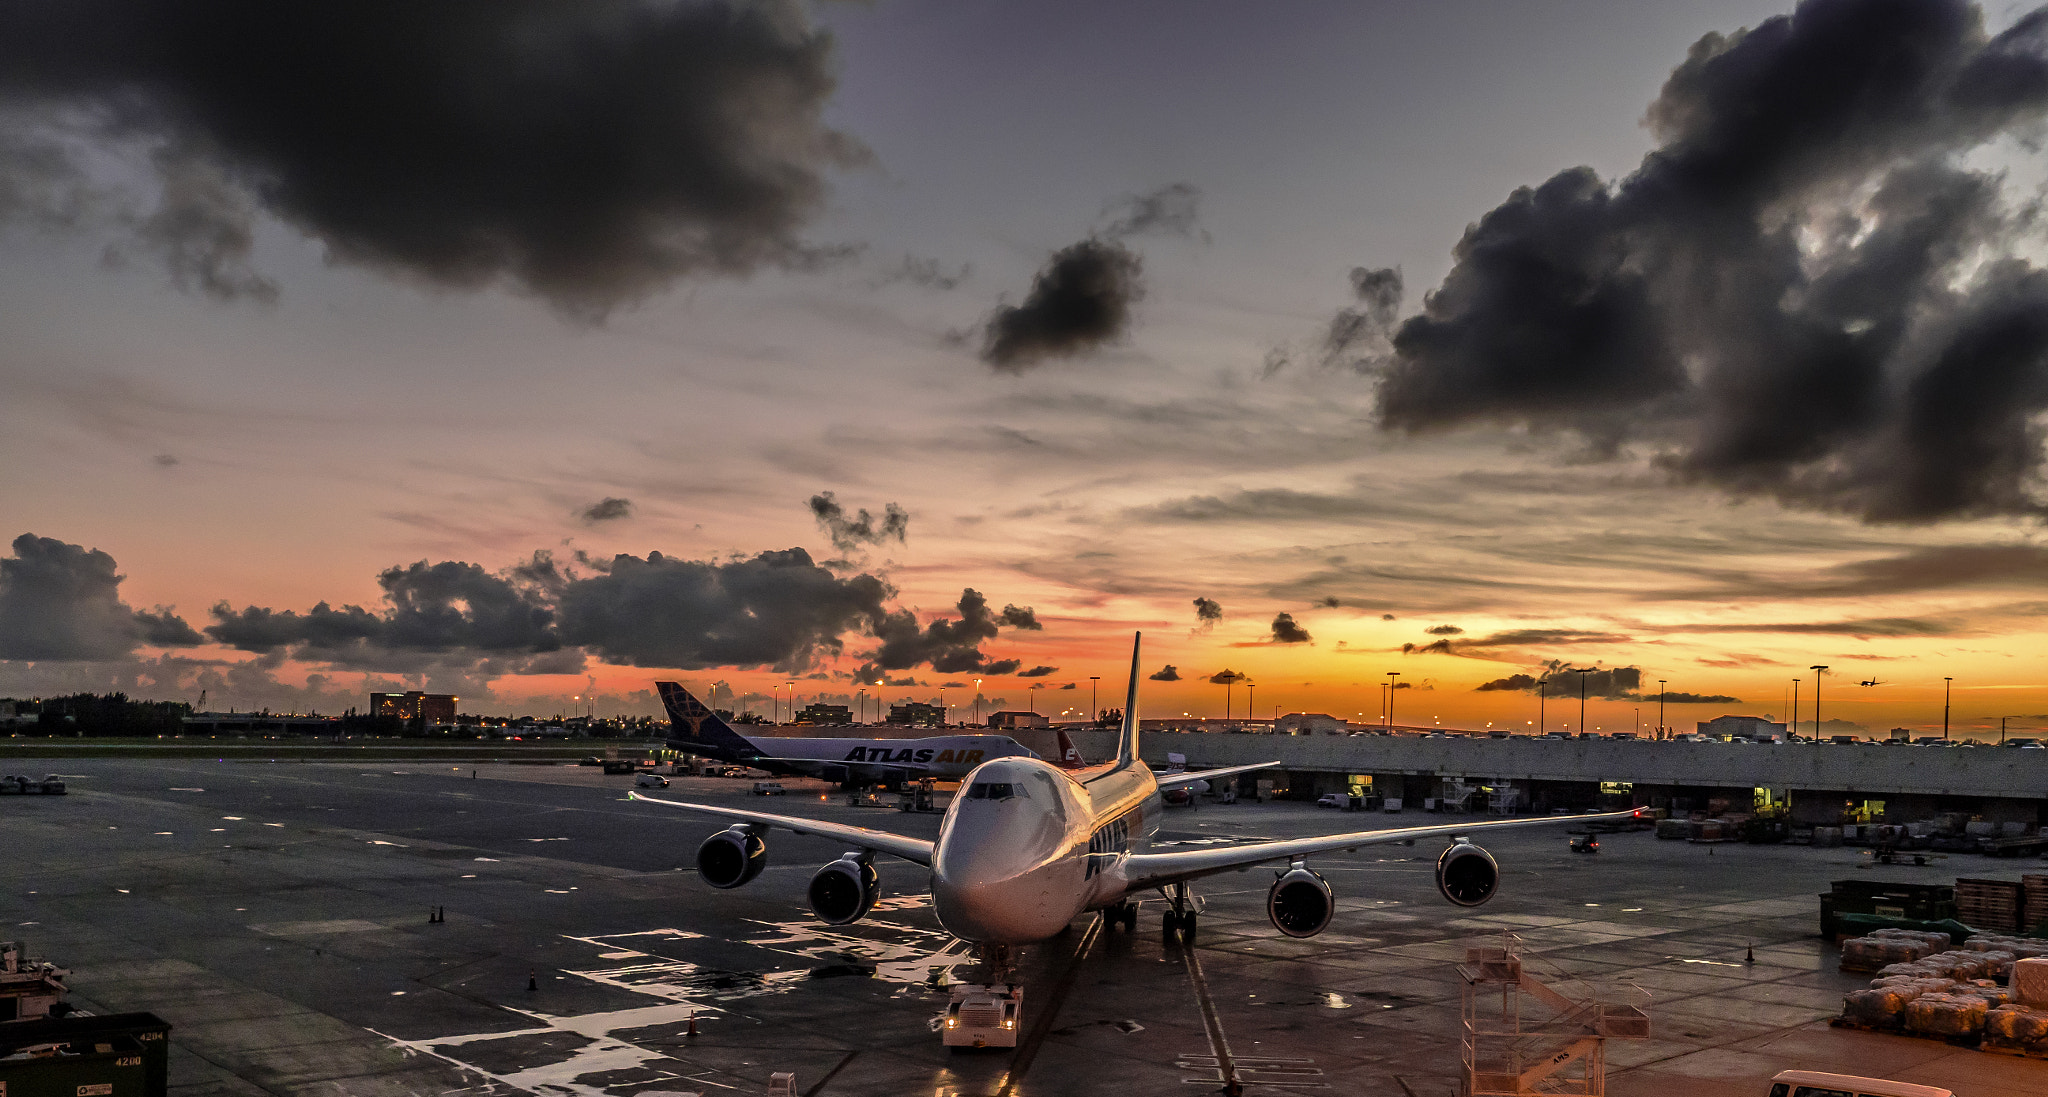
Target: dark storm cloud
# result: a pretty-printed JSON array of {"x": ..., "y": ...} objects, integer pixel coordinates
[
  {"x": 1000, "y": 667},
  {"x": 776, "y": 609},
  {"x": 1023, "y": 617},
  {"x": 608, "y": 509},
  {"x": 1037, "y": 672},
  {"x": 446, "y": 609},
  {"x": 1800, "y": 293},
  {"x": 1285, "y": 631},
  {"x": 62, "y": 602},
  {"x": 1444, "y": 630},
  {"x": 947, "y": 645},
  {"x": 1363, "y": 335},
  {"x": 849, "y": 533},
  {"x": 1167, "y": 673},
  {"x": 1081, "y": 301},
  {"x": 1172, "y": 210},
  {"x": 1208, "y": 611},
  {"x": 1606, "y": 683},
  {"x": 589, "y": 152}
]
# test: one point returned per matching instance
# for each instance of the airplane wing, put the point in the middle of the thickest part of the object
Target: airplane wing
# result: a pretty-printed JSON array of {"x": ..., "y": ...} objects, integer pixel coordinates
[
  {"x": 1144, "y": 871},
  {"x": 910, "y": 766},
  {"x": 1182, "y": 780},
  {"x": 915, "y": 850}
]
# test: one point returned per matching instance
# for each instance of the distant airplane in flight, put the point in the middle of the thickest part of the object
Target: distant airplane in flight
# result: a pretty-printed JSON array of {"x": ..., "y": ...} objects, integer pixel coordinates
[{"x": 1026, "y": 847}]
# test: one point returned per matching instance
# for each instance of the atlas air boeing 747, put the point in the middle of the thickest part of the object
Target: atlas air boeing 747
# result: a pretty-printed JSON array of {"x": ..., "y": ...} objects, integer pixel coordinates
[
  {"x": 695, "y": 729},
  {"x": 1027, "y": 847}
]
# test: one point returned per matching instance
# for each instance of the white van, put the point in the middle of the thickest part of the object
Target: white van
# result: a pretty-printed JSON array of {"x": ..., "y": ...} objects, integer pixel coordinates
[{"x": 1814, "y": 1083}]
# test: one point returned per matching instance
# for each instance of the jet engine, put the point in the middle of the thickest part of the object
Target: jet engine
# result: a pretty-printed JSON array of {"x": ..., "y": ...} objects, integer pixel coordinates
[
  {"x": 1466, "y": 874},
  {"x": 1300, "y": 903},
  {"x": 845, "y": 890},
  {"x": 731, "y": 857}
]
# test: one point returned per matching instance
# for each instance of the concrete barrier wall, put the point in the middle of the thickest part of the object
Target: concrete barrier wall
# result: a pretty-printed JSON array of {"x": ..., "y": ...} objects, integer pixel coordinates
[{"x": 1866, "y": 768}]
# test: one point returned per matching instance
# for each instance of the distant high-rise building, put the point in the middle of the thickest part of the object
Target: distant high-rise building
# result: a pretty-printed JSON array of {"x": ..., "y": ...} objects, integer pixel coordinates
[
  {"x": 1012, "y": 719},
  {"x": 432, "y": 708},
  {"x": 824, "y": 714}
]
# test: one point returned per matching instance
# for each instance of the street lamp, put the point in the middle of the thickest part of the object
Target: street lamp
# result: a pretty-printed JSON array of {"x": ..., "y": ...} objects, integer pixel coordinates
[
  {"x": 1661, "y": 692},
  {"x": 1391, "y": 675},
  {"x": 1582, "y": 672},
  {"x": 1944, "y": 706},
  {"x": 1094, "y": 713},
  {"x": 1250, "y": 687},
  {"x": 1818, "y": 670},
  {"x": 861, "y": 699},
  {"x": 1795, "y": 708},
  {"x": 977, "y": 700},
  {"x": 1542, "y": 696}
]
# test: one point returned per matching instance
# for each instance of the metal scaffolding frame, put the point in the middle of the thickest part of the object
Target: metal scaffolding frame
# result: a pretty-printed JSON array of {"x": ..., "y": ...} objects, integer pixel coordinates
[{"x": 1562, "y": 1052}]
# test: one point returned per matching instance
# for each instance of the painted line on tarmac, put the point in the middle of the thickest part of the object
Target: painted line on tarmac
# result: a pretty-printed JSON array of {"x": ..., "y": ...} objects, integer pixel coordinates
[{"x": 1028, "y": 1050}]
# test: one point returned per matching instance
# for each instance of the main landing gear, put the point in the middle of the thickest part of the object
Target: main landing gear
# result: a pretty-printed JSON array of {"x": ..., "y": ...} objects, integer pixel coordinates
[
  {"x": 1123, "y": 913},
  {"x": 1180, "y": 917}
]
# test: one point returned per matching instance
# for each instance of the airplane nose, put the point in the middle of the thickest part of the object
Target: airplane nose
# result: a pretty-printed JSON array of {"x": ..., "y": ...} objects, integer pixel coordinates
[{"x": 1000, "y": 891}]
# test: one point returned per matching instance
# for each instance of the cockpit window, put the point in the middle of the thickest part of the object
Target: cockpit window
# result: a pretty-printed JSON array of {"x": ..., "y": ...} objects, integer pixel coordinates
[{"x": 996, "y": 790}]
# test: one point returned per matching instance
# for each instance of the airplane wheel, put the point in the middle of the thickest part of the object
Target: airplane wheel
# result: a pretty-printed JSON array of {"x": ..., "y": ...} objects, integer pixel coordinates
[
  {"x": 1131, "y": 918},
  {"x": 1169, "y": 923},
  {"x": 1187, "y": 928}
]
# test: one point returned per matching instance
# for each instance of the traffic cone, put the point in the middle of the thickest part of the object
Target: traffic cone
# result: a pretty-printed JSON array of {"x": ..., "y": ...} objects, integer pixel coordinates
[
  {"x": 1749, "y": 956},
  {"x": 692, "y": 1030},
  {"x": 531, "y": 982}
]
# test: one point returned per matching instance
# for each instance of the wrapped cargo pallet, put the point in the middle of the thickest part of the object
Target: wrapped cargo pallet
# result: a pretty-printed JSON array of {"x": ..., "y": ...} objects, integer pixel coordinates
[
  {"x": 1885, "y": 1006},
  {"x": 2017, "y": 1028},
  {"x": 1957, "y": 964},
  {"x": 1673, "y": 828},
  {"x": 2030, "y": 982},
  {"x": 1947, "y": 1014}
]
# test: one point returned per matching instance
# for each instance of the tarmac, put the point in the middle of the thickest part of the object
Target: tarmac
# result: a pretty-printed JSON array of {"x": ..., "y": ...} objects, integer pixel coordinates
[{"x": 279, "y": 915}]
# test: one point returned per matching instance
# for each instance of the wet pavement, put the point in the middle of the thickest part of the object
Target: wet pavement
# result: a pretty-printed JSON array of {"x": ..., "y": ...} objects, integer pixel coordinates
[{"x": 278, "y": 916}]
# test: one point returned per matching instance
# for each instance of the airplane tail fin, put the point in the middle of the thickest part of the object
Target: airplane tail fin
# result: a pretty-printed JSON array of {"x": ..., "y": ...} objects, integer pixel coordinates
[
  {"x": 1127, "y": 741},
  {"x": 695, "y": 729},
  {"x": 1070, "y": 755}
]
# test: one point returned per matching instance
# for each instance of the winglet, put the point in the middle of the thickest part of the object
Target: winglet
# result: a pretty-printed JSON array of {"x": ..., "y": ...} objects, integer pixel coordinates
[{"x": 1127, "y": 742}]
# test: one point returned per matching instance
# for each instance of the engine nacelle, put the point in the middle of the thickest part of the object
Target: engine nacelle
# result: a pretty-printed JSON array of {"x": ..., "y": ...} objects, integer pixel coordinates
[
  {"x": 731, "y": 857},
  {"x": 1300, "y": 903},
  {"x": 1466, "y": 874},
  {"x": 845, "y": 890}
]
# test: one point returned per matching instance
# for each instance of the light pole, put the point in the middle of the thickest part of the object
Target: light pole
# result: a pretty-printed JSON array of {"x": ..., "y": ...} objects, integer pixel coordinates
[
  {"x": 1661, "y": 692},
  {"x": 861, "y": 699},
  {"x": 1944, "y": 706},
  {"x": 1818, "y": 669},
  {"x": 1391, "y": 675},
  {"x": 977, "y": 700},
  {"x": 1094, "y": 713},
  {"x": 1250, "y": 687},
  {"x": 1795, "y": 708},
  {"x": 1542, "y": 696},
  {"x": 1582, "y": 672},
  {"x": 1229, "y": 680}
]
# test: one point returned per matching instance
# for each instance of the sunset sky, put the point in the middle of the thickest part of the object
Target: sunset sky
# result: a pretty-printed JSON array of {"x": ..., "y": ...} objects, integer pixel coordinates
[{"x": 1475, "y": 338}]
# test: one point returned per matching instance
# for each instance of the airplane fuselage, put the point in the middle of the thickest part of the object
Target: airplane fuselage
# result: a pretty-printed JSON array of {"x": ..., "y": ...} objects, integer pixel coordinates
[{"x": 1027, "y": 847}]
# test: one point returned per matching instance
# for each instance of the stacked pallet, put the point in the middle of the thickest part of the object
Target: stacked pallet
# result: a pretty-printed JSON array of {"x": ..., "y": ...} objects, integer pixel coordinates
[
  {"x": 1890, "y": 946},
  {"x": 1991, "y": 904},
  {"x": 2034, "y": 893}
]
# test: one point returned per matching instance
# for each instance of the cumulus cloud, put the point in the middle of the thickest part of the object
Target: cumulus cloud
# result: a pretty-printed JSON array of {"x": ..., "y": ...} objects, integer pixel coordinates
[
  {"x": 589, "y": 153},
  {"x": 1285, "y": 631},
  {"x": 1167, "y": 673},
  {"x": 1023, "y": 617},
  {"x": 1804, "y": 292},
  {"x": 1226, "y": 677},
  {"x": 1444, "y": 630},
  {"x": 608, "y": 509},
  {"x": 62, "y": 602},
  {"x": 850, "y": 532},
  {"x": 1080, "y": 301},
  {"x": 947, "y": 645},
  {"x": 1037, "y": 672},
  {"x": 1208, "y": 611},
  {"x": 1606, "y": 683}
]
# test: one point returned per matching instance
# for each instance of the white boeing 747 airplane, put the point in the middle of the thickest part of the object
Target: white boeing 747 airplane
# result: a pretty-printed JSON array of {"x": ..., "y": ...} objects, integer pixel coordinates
[{"x": 1027, "y": 847}]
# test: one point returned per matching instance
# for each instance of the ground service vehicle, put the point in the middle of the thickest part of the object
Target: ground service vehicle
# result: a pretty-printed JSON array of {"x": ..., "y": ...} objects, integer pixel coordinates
[
  {"x": 983, "y": 1015},
  {"x": 1814, "y": 1083}
]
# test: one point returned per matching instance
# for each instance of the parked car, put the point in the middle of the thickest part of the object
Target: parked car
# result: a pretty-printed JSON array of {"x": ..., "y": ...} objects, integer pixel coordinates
[
  {"x": 768, "y": 788},
  {"x": 650, "y": 780}
]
